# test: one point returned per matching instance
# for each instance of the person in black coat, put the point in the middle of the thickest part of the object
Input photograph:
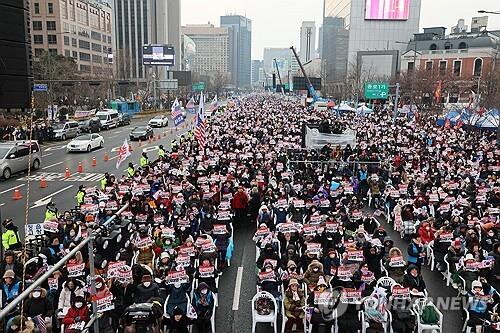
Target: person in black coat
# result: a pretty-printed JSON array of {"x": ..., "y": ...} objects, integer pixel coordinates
[
  {"x": 10, "y": 263},
  {"x": 413, "y": 280},
  {"x": 179, "y": 323},
  {"x": 146, "y": 290}
]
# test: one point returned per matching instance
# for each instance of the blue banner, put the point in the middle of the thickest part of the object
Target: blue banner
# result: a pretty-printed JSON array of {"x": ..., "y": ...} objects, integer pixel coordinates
[{"x": 178, "y": 120}]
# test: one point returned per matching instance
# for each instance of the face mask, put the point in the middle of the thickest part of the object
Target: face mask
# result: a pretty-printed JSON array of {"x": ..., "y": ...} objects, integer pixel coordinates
[
  {"x": 269, "y": 269},
  {"x": 177, "y": 285},
  {"x": 72, "y": 233},
  {"x": 491, "y": 234},
  {"x": 98, "y": 285},
  {"x": 315, "y": 269},
  {"x": 37, "y": 294},
  {"x": 79, "y": 304},
  {"x": 147, "y": 284},
  {"x": 204, "y": 291}
]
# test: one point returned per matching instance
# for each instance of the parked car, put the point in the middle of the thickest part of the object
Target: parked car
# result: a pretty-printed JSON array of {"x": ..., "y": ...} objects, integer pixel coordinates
[
  {"x": 85, "y": 142},
  {"x": 67, "y": 130},
  {"x": 141, "y": 133},
  {"x": 159, "y": 121},
  {"x": 92, "y": 125},
  {"x": 124, "y": 119},
  {"x": 14, "y": 157}
]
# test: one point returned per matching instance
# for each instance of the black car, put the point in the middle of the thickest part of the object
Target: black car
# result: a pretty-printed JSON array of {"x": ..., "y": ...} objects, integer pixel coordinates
[
  {"x": 92, "y": 125},
  {"x": 124, "y": 119},
  {"x": 141, "y": 133}
]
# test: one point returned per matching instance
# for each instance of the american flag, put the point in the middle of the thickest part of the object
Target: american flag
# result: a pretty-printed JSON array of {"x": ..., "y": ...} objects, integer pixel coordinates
[
  {"x": 199, "y": 130},
  {"x": 40, "y": 323},
  {"x": 176, "y": 109}
]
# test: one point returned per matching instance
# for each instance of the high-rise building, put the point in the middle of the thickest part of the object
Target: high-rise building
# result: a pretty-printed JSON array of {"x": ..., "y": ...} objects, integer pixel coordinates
[
  {"x": 256, "y": 70},
  {"x": 307, "y": 41},
  {"x": 336, "y": 42},
  {"x": 283, "y": 57},
  {"x": 320, "y": 41},
  {"x": 212, "y": 48},
  {"x": 141, "y": 22},
  {"x": 79, "y": 29},
  {"x": 240, "y": 48},
  {"x": 374, "y": 28}
]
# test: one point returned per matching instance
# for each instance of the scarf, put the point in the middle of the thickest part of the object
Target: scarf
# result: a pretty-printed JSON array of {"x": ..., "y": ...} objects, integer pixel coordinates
[{"x": 295, "y": 297}]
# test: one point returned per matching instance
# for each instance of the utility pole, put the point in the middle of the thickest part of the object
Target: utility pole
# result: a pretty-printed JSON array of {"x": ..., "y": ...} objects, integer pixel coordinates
[
  {"x": 396, "y": 102},
  {"x": 92, "y": 279}
]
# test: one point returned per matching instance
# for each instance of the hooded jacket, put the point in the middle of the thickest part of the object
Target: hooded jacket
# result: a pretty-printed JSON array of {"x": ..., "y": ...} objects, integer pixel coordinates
[
  {"x": 67, "y": 296},
  {"x": 311, "y": 277},
  {"x": 397, "y": 273},
  {"x": 409, "y": 281},
  {"x": 143, "y": 294},
  {"x": 293, "y": 307},
  {"x": 38, "y": 306}
]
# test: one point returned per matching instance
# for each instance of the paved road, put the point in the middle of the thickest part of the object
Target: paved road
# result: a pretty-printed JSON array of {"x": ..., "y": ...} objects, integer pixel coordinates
[{"x": 56, "y": 159}]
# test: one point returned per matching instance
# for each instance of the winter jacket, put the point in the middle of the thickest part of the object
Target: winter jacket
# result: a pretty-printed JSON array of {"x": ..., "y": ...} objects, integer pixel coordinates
[
  {"x": 177, "y": 298},
  {"x": 74, "y": 312},
  {"x": 67, "y": 296},
  {"x": 38, "y": 306},
  {"x": 16, "y": 266},
  {"x": 409, "y": 281},
  {"x": 240, "y": 200},
  {"x": 310, "y": 276},
  {"x": 144, "y": 294},
  {"x": 293, "y": 309},
  {"x": 414, "y": 251}
]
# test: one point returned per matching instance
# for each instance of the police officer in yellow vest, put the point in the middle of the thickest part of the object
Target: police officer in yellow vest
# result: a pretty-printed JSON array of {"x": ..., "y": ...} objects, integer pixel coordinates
[
  {"x": 51, "y": 212},
  {"x": 143, "y": 161},
  {"x": 161, "y": 152},
  {"x": 10, "y": 237},
  {"x": 104, "y": 181},
  {"x": 130, "y": 170},
  {"x": 173, "y": 144},
  {"x": 80, "y": 195}
]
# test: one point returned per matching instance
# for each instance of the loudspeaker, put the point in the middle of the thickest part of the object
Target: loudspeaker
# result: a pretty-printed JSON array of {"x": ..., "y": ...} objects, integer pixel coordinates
[{"x": 16, "y": 77}]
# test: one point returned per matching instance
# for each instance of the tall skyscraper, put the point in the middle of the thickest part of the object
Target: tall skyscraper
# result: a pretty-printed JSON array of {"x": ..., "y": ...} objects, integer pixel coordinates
[
  {"x": 256, "y": 70},
  {"x": 334, "y": 55},
  {"x": 140, "y": 22},
  {"x": 211, "y": 46},
  {"x": 240, "y": 48},
  {"x": 307, "y": 41},
  {"x": 374, "y": 28},
  {"x": 320, "y": 41}
]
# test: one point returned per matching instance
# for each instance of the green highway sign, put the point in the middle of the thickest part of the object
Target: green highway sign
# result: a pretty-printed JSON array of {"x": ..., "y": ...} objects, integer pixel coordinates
[
  {"x": 199, "y": 86},
  {"x": 376, "y": 90}
]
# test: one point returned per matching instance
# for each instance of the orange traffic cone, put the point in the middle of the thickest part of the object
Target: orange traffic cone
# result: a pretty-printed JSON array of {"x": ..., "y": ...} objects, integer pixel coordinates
[
  {"x": 106, "y": 157},
  {"x": 43, "y": 183},
  {"x": 94, "y": 161},
  {"x": 17, "y": 194},
  {"x": 67, "y": 174},
  {"x": 80, "y": 167}
]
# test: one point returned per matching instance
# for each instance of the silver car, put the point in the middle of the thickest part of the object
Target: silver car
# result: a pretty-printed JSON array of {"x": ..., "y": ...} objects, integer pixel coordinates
[
  {"x": 14, "y": 157},
  {"x": 67, "y": 130}
]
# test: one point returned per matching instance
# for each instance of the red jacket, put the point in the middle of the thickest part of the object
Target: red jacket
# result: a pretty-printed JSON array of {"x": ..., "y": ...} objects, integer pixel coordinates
[
  {"x": 426, "y": 236},
  {"x": 73, "y": 312},
  {"x": 240, "y": 200}
]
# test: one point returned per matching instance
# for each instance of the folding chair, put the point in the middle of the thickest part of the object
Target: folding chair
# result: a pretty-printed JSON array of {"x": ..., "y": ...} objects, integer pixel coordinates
[{"x": 418, "y": 308}]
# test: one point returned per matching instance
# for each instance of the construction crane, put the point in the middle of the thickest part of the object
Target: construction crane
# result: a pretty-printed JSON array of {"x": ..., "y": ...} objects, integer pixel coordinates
[
  {"x": 310, "y": 87},
  {"x": 279, "y": 76}
]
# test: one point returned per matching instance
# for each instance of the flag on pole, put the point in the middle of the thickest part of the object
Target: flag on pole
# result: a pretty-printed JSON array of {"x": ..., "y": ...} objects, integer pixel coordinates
[
  {"x": 40, "y": 323},
  {"x": 123, "y": 153},
  {"x": 214, "y": 104},
  {"x": 177, "y": 113},
  {"x": 199, "y": 130},
  {"x": 190, "y": 106}
]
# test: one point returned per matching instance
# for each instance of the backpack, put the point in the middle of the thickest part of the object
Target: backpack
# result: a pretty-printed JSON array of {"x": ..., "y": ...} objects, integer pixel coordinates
[{"x": 429, "y": 315}]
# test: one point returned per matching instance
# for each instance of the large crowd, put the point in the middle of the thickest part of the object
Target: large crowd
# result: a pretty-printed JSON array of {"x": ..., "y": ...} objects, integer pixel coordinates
[{"x": 323, "y": 256}]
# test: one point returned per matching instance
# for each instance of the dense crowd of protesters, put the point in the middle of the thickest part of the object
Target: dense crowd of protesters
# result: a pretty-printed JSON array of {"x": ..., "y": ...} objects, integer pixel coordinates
[{"x": 319, "y": 238}]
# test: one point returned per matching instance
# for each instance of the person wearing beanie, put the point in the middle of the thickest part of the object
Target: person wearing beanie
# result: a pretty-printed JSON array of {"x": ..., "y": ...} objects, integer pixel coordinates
[
  {"x": 294, "y": 303},
  {"x": 455, "y": 254},
  {"x": 203, "y": 303}
]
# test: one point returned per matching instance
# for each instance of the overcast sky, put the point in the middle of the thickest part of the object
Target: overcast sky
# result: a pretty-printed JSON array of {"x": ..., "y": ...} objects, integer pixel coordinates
[{"x": 276, "y": 23}]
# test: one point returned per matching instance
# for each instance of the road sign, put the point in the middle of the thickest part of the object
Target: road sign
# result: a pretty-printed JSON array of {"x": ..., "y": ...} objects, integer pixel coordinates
[
  {"x": 170, "y": 84},
  {"x": 40, "y": 87},
  {"x": 199, "y": 86},
  {"x": 376, "y": 90}
]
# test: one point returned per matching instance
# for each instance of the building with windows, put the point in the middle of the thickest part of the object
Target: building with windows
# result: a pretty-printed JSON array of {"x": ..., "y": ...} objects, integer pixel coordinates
[
  {"x": 141, "y": 22},
  {"x": 307, "y": 41},
  {"x": 334, "y": 59},
  {"x": 240, "y": 48},
  {"x": 374, "y": 28},
  {"x": 80, "y": 29},
  {"x": 463, "y": 54},
  {"x": 211, "y": 48},
  {"x": 257, "y": 66}
]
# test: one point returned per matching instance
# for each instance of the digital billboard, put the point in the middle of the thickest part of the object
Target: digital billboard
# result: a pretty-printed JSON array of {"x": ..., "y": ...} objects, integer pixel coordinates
[
  {"x": 158, "y": 55},
  {"x": 387, "y": 9}
]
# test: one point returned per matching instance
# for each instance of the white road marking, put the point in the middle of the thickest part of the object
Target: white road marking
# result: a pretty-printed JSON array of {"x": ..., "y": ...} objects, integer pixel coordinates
[
  {"x": 112, "y": 136},
  {"x": 116, "y": 132},
  {"x": 55, "y": 148},
  {"x": 2, "y": 204},
  {"x": 48, "y": 198},
  {"x": 51, "y": 165},
  {"x": 237, "y": 289},
  {"x": 10, "y": 189},
  {"x": 112, "y": 158},
  {"x": 45, "y": 155}
]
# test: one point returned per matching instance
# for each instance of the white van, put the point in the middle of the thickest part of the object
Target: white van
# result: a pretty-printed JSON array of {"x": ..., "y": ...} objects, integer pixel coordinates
[{"x": 109, "y": 118}]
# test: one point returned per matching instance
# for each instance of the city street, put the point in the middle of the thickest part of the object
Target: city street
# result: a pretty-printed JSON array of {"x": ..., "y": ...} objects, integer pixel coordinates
[{"x": 56, "y": 159}]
